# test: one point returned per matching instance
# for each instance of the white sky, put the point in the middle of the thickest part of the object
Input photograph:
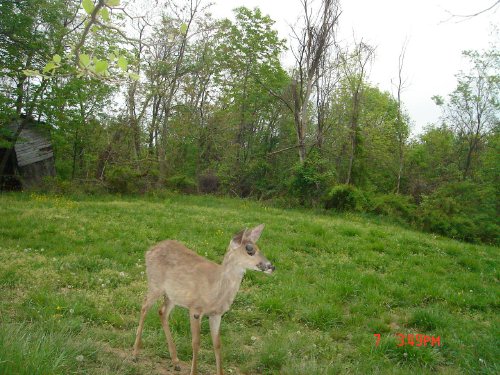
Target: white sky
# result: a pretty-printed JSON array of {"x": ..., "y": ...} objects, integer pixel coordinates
[{"x": 435, "y": 42}]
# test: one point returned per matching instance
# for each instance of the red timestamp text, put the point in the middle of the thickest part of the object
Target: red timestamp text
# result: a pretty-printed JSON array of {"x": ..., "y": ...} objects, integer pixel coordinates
[{"x": 413, "y": 340}]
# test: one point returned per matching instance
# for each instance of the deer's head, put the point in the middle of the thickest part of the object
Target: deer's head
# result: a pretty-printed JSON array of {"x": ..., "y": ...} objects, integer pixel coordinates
[{"x": 244, "y": 251}]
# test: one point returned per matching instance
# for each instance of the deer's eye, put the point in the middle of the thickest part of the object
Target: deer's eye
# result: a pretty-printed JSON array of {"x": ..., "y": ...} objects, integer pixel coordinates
[{"x": 250, "y": 249}]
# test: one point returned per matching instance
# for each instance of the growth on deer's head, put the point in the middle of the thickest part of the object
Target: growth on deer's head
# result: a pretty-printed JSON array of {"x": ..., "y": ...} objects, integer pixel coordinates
[{"x": 186, "y": 279}]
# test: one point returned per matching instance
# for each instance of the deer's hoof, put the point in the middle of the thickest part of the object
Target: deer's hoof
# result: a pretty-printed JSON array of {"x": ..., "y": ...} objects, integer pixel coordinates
[{"x": 177, "y": 368}]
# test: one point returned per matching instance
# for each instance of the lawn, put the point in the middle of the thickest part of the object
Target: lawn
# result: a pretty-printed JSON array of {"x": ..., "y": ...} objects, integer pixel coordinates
[{"x": 72, "y": 282}]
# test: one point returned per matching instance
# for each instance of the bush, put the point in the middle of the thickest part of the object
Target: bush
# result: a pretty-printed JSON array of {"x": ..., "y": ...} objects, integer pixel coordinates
[
  {"x": 463, "y": 210},
  {"x": 182, "y": 183},
  {"x": 257, "y": 179},
  {"x": 208, "y": 183},
  {"x": 58, "y": 186},
  {"x": 122, "y": 179},
  {"x": 345, "y": 198},
  {"x": 395, "y": 206},
  {"x": 310, "y": 180}
]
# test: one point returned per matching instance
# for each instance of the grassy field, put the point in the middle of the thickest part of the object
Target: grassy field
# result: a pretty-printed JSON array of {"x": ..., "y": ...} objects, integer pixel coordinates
[{"x": 72, "y": 282}]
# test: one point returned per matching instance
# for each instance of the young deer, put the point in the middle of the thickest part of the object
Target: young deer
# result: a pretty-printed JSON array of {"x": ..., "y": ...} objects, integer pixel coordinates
[{"x": 205, "y": 288}]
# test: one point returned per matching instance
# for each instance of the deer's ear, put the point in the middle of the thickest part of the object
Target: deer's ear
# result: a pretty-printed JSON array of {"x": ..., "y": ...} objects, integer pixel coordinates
[
  {"x": 237, "y": 239},
  {"x": 255, "y": 233}
]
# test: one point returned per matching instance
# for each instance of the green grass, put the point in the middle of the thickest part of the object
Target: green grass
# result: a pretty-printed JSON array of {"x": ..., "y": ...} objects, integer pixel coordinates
[{"x": 72, "y": 282}]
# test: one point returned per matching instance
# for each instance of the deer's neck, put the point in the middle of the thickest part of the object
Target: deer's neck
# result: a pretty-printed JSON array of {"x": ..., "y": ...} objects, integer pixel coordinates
[{"x": 229, "y": 283}]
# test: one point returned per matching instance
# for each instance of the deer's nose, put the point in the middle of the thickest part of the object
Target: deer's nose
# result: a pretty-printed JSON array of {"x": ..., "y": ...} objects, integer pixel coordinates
[{"x": 266, "y": 267}]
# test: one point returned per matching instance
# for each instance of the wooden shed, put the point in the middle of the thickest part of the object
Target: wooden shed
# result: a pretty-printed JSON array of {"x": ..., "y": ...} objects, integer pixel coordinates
[{"x": 32, "y": 158}]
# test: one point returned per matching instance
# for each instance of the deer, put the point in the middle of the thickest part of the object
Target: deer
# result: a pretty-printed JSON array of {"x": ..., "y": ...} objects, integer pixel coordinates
[{"x": 184, "y": 278}]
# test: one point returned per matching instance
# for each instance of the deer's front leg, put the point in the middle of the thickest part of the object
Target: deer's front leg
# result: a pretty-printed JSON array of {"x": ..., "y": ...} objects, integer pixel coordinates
[
  {"x": 195, "y": 319},
  {"x": 215, "y": 333}
]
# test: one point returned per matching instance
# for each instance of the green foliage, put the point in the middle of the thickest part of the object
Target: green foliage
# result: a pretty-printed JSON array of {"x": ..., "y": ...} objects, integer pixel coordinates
[
  {"x": 489, "y": 171},
  {"x": 61, "y": 187},
  {"x": 226, "y": 107},
  {"x": 345, "y": 198},
  {"x": 310, "y": 179},
  {"x": 182, "y": 183},
  {"x": 399, "y": 207},
  {"x": 379, "y": 137},
  {"x": 257, "y": 178},
  {"x": 122, "y": 179},
  {"x": 432, "y": 161},
  {"x": 473, "y": 107},
  {"x": 88, "y": 6},
  {"x": 462, "y": 210}
]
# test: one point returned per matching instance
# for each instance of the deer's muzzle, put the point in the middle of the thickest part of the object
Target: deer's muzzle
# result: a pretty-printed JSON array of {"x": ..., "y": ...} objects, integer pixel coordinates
[{"x": 266, "y": 267}]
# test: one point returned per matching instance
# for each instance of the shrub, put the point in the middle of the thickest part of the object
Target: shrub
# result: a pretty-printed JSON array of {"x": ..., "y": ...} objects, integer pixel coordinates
[
  {"x": 395, "y": 206},
  {"x": 463, "y": 210},
  {"x": 208, "y": 183},
  {"x": 345, "y": 198},
  {"x": 122, "y": 179},
  {"x": 310, "y": 180},
  {"x": 182, "y": 183},
  {"x": 53, "y": 185},
  {"x": 257, "y": 179}
]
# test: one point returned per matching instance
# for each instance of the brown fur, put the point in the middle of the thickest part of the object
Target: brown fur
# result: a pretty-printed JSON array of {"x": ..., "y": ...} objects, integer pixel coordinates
[{"x": 186, "y": 279}]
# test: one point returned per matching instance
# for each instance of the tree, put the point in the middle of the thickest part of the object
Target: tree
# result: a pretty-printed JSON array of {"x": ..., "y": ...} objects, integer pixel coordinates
[
  {"x": 249, "y": 57},
  {"x": 248, "y": 69},
  {"x": 314, "y": 40},
  {"x": 432, "y": 161},
  {"x": 472, "y": 109},
  {"x": 187, "y": 21},
  {"x": 493, "y": 5},
  {"x": 402, "y": 130},
  {"x": 355, "y": 66},
  {"x": 32, "y": 35},
  {"x": 378, "y": 162}
]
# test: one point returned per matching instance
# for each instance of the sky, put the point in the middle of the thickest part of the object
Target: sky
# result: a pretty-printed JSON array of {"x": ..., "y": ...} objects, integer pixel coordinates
[{"x": 435, "y": 41}]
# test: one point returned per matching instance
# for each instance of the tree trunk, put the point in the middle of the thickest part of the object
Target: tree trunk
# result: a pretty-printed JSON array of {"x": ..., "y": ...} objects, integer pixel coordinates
[
  {"x": 75, "y": 149},
  {"x": 353, "y": 134},
  {"x": 351, "y": 160},
  {"x": 133, "y": 121},
  {"x": 105, "y": 155},
  {"x": 162, "y": 146},
  {"x": 300, "y": 116},
  {"x": 400, "y": 173},
  {"x": 20, "y": 95},
  {"x": 468, "y": 160},
  {"x": 242, "y": 124}
]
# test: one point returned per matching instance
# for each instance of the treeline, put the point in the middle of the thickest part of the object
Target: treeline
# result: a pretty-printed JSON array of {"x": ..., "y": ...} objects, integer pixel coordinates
[{"x": 208, "y": 107}]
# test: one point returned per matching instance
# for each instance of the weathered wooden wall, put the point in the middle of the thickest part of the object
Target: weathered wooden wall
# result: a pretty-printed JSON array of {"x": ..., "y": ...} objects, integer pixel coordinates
[
  {"x": 32, "y": 147},
  {"x": 33, "y": 153}
]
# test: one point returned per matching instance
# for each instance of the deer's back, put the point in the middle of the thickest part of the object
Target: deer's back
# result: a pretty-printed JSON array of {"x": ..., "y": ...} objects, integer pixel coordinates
[{"x": 184, "y": 276}]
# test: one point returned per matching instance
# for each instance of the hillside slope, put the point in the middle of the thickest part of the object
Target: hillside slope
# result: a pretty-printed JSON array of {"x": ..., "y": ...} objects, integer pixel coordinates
[{"x": 72, "y": 282}]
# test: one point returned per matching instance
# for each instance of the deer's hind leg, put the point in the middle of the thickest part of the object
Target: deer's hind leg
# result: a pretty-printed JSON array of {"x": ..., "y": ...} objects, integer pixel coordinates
[
  {"x": 150, "y": 298},
  {"x": 164, "y": 312}
]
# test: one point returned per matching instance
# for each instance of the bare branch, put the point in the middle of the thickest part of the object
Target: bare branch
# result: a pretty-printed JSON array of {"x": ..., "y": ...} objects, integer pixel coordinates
[{"x": 465, "y": 17}]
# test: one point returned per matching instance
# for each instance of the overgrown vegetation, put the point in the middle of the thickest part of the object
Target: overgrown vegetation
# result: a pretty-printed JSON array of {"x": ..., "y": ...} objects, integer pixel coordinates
[
  {"x": 211, "y": 109},
  {"x": 72, "y": 281}
]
